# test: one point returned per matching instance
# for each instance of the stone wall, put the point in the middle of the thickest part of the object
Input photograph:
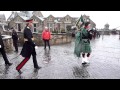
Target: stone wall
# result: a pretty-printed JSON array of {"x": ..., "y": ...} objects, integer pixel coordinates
[
  {"x": 8, "y": 44},
  {"x": 56, "y": 38},
  {"x": 109, "y": 32}
]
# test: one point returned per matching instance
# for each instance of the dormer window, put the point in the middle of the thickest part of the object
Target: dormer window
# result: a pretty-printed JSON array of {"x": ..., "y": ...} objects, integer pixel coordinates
[{"x": 67, "y": 18}]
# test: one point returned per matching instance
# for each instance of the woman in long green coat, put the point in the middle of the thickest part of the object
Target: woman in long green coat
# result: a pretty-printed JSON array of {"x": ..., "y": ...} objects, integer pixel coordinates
[{"x": 82, "y": 43}]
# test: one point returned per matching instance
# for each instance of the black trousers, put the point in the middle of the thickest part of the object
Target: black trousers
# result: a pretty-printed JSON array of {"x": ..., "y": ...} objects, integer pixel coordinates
[
  {"x": 34, "y": 61},
  {"x": 25, "y": 61},
  {"x": 46, "y": 42},
  {"x": 15, "y": 43},
  {"x": 4, "y": 55}
]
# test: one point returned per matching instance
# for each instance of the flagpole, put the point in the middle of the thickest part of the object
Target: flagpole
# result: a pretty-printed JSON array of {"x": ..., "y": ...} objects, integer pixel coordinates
[
  {"x": 119, "y": 34},
  {"x": 102, "y": 34}
]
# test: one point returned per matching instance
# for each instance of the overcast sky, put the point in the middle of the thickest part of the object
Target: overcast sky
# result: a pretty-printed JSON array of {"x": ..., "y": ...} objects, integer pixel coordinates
[{"x": 99, "y": 17}]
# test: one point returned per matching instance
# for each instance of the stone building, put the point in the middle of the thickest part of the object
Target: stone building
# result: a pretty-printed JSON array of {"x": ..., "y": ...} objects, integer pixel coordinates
[
  {"x": 37, "y": 23},
  {"x": 17, "y": 20},
  {"x": 59, "y": 24},
  {"x": 93, "y": 25},
  {"x": 3, "y": 23}
]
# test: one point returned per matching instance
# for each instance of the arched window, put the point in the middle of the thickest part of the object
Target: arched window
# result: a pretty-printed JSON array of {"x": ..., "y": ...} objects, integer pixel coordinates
[{"x": 67, "y": 19}]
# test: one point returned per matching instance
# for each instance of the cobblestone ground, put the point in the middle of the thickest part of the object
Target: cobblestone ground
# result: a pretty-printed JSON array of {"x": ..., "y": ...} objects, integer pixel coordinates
[{"x": 60, "y": 62}]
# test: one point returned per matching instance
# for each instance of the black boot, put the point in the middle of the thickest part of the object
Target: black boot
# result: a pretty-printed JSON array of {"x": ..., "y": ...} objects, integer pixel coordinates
[
  {"x": 35, "y": 62},
  {"x": 8, "y": 64},
  {"x": 37, "y": 68},
  {"x": 19, "y": 71}
]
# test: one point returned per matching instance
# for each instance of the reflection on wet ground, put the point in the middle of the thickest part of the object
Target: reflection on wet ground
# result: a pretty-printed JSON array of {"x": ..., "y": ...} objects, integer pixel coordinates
[
  {"x": 47, "y": 56},
  {"x": 61, "y": 63}
]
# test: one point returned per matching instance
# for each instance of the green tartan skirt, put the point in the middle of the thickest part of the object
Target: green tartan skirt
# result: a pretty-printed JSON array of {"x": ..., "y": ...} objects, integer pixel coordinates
[{"x": 86, "y": 48}]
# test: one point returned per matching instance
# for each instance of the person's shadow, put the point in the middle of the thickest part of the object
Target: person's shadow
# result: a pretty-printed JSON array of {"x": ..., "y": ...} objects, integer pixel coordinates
[
  {"x": 80, "y": 72},
  {"x": 47, "y": 56},
  {"x": 19, "y": 77},
  {"x": 35, "y": 74},
  {"x": 6, "y": 70}
]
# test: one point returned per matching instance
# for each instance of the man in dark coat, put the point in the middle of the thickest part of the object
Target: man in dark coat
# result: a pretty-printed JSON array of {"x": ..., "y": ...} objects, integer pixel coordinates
[
  {"x": 15, "y": 39},
  {"x": 28, "y": 47},
  {"x": 7, "y": 63}
]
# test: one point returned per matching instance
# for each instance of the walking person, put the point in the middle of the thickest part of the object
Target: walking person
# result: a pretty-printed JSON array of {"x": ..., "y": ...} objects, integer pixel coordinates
[
  {"x": 2, "y": 51},
  {"x": 15, "y": 39},
  {"x": 46, "y": 36},
  {"x": 98, "y": 34},
  {"x": 28, "y": 47},
  {"x": 86, "y": 48},
  {"x": 82, "y": 43}
]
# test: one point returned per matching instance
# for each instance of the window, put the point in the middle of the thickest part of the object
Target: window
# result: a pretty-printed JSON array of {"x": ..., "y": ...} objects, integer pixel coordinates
[
  {"x": 19, "y": 27},
  {"x": 34, "y": 25},
  {"x": 35, "y": 30},
  {"x": 51, "y": 24},
  {"x": 67, "y": 19}
]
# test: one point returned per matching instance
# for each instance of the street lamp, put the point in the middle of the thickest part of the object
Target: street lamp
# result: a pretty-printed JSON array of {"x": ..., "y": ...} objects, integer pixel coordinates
[
  {"x": 119, "y": 34},
  {"x": 103, "y": 33}
]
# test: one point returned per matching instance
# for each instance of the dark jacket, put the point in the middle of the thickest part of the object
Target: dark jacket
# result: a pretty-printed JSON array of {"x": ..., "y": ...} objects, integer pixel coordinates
[
  {"x": 29, "y": 46},
  {"x": 14, "y": 35},
  {"x": 87, "y": 36},
  {"x": 1, "y": 42}
]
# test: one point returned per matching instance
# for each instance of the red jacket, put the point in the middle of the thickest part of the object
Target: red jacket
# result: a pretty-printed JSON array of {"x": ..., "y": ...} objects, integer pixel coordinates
[{"x": 46, "y": 35}]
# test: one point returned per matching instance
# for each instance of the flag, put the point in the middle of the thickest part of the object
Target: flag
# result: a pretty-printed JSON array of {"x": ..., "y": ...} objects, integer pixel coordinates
[{"x": 80, "y": 20}]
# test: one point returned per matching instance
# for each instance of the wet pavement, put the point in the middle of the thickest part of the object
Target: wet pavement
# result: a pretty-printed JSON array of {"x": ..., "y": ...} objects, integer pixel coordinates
[{"x": 61, "y": 63}]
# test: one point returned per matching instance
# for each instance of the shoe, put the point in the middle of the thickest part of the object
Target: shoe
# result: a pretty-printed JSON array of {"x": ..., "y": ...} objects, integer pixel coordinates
[
  {"x": 83, "y": 61},
  {"x": 8, "y": 64},
  {"x": 37, "y": 67},
  {"x": 19, "y": 71},
  {"x": 87, "y": 60}
]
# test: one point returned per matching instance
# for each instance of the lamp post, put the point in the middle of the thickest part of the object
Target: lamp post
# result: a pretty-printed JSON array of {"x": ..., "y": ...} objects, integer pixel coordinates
[
  {"x": 119, "y": 34},
  {"x": 103, "y": 33}
]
